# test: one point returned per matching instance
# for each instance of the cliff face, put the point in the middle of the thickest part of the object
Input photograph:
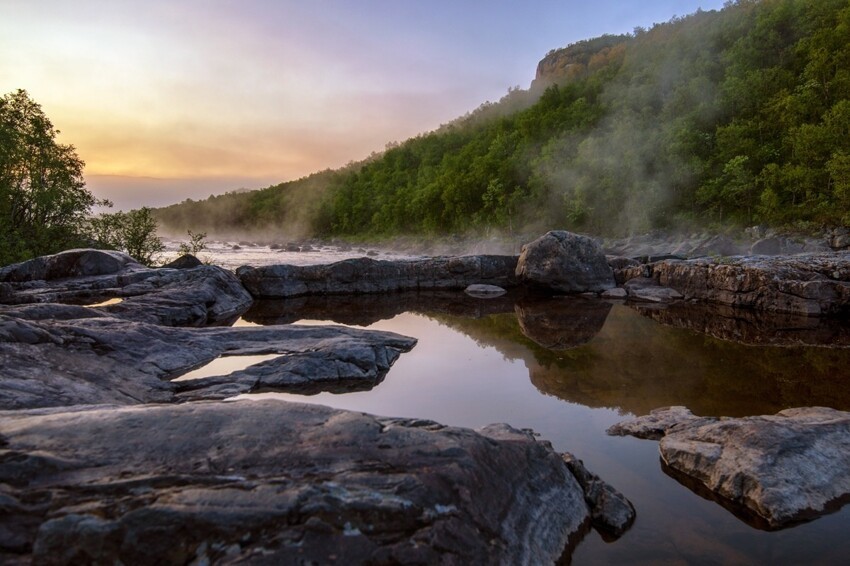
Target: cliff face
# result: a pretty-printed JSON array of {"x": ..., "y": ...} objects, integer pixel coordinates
[{"x": 578, "y": 59}]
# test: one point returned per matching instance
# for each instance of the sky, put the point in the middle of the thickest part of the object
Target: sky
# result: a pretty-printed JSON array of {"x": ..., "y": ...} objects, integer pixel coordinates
[{"x": 173, "y": 99}]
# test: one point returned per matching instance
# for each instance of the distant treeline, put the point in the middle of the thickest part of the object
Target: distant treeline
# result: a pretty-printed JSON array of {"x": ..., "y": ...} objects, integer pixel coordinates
[{"x": 738, "y": 116}]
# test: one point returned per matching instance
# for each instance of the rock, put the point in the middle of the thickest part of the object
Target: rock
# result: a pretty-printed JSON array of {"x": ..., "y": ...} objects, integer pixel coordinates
[
  {"x": 102, "y": 359},
  {"x": 805, "y": 284},
  {"x": 781, "y": 468},
  {"x": 276, "y": 482},
  {"x": 186, "y": 261},
  {"x": 562, "y": 324},
  {"x": 840, "y": 240},
  {"x": 199, "y": 296},
  {"x": 610, "y": 512},
  {"x": 366, "y": 275},
  {"x": 71, "y": 263},
  {"x": 565, "y": 263},
  {"x": 615, "y": 293},
  {"x": 647, "y": 289},
  {"x": 484, "y": 291},
  {"x": 658, "y": 423}
]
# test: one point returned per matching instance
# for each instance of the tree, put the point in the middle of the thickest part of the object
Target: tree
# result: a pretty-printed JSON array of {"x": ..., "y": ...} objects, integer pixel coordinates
[
  {"x": 133, "y": 232},
  {"x": 43, "y": 199},
  {"x": 195, "y": 245}
]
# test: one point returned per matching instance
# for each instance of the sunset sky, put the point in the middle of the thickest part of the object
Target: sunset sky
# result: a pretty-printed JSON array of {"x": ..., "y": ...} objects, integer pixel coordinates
[{"x": 168, "y": 99}]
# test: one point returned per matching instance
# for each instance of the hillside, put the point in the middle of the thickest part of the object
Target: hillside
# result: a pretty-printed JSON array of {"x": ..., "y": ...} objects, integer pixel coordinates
[{"x": 738, "y": 116}]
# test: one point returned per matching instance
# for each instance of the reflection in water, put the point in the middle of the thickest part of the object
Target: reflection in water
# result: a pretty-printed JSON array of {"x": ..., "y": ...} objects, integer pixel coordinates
[
  {"x": 475, "y": 364},
  {"x": 224, "y": 365},
  {"x": 561, "y": 324}
]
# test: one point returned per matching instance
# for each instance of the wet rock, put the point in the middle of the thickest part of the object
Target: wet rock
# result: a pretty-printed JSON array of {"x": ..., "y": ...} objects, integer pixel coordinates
[
  {"x": 610, "y": 512},
  {"x": 781, "y": 468},
  {"x": 186, "y": 261},
  {"x": 102, "y": 359},
  {"x": 647, "y": 289},
  {"x": 198, "y": 296},
  {"x": 562, "y": 324},
  {"x": 804, "y": 284},
  {"x": 484, "y": 291},
  {"x": 366, "y": 275},
  {"x": 275, "y": 482},
  {"x": 564, "y": 262}
]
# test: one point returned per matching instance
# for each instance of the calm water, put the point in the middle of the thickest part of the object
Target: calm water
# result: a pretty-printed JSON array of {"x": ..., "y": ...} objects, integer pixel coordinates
[{"x": 570, "y": 368}]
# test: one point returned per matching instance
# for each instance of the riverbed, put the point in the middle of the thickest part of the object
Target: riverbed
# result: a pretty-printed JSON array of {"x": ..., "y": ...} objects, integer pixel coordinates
[{"x": 570, "y": 368}]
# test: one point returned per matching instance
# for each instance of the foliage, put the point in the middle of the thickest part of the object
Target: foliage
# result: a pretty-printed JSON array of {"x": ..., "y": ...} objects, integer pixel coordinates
[
  {"x": 133, "y": 232},
  {"x": 43, "y": 200},
  {"x": 738, "y": 116},
  {"x": 195, "y": 245}
]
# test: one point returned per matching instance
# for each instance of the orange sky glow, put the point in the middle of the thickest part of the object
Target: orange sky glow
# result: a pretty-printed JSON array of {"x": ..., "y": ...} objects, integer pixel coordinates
[{"x": 168, "y": 100}]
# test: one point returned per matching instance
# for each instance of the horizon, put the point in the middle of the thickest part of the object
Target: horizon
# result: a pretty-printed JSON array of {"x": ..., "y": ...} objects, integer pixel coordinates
[{"x": 184, "y": 101}]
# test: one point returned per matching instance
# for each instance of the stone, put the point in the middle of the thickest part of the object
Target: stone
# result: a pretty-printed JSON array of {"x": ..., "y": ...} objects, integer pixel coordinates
[
  {"x": 71, "y": 263},
  {"x": 775, "y": 470},
  {"x": 199, "y": 296},
  {"x": 102, "y": 359},
  {"x": 610, "y": 512},
  {"x": 367, "y": 275},
  {"x": 484, "y": 291},
  {"x": 186, "y": 261},
  {"x": 563, "y": 262},
  {"x": 648, "y": 289},
  {"x": 816, "y": 284},
  {"x": 276, "y": 482}
]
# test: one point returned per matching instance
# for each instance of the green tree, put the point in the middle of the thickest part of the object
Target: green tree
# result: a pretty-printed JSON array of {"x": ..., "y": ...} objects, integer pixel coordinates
[
  {"x": 195, "y": 245},
  {"x": 133, "y": 232},
  {"x": 43, "y": 199}
]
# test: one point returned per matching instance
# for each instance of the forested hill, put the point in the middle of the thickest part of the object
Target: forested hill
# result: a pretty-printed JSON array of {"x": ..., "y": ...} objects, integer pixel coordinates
[{"x": 734, "y": 116}]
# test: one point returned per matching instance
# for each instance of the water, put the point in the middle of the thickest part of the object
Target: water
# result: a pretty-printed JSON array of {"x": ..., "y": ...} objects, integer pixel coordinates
[
  {"x": 570, "y": 368},
  {"x": 234, "y": 254}
]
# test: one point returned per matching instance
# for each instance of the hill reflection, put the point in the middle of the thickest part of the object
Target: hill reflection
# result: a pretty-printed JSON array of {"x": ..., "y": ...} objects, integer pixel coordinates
[{"x": 591, "y": 352}]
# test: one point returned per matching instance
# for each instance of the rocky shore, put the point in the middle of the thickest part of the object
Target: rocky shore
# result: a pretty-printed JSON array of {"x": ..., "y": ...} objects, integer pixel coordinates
[
  {"x": 93, "y": 346},
  {"x": 106, "y": 456}
]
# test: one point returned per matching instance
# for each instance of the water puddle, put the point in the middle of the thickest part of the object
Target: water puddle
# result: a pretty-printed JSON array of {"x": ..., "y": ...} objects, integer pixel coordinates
[
  {"x": 224, "y": 365},
  {"x": 106, "y": 303}
]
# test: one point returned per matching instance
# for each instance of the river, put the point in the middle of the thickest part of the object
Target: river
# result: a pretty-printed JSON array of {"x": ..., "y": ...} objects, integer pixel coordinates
[{"x": 570, "y": 368}]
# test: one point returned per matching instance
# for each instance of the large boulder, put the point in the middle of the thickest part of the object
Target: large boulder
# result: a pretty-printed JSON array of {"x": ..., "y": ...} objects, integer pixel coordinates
[
  {"x": 564, "y": 262},
  {"x": 777, "y": 469},
  {"x": 280, "y": 483}
]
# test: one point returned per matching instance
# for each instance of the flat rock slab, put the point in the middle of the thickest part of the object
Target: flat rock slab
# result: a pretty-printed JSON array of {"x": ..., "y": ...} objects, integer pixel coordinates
[
  {"x": 807, "y": 284},
  {"x": 201, "y": 296},
  {"x": 779, "y": 469},
  {"x": 365, "y": 275},
  {"x": 277, "y": 483},
  {"x": 87, "y": 357}
]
